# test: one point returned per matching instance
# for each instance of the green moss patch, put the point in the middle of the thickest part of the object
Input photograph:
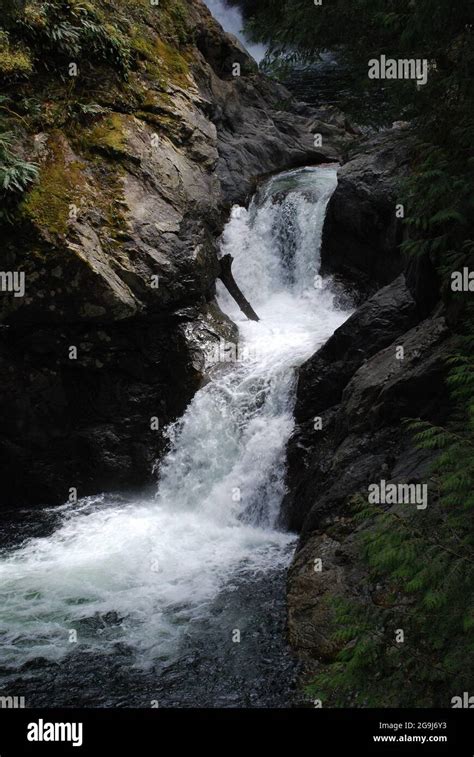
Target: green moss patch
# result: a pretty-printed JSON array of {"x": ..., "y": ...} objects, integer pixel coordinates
[
  {"x": 61, "y": 183},
  {"x": 160, "y": 60},
  {"x": 14, "y": 60},
  {"x": 107, "y": 136}
]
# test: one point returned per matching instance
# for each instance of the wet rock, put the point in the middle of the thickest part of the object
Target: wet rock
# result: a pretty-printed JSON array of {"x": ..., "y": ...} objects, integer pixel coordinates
[
  {"x": 362, "y": 437},
  {"x": 309, "y": 617},
  {"x": 387, "y": 314},
  {"x": 386, "y": 363},
  {"x": 400, "y": 381},
  {"x": 362, "y": 441},
  {"x": 87, "y": 423},
  {"x": 362, "y": 233}
]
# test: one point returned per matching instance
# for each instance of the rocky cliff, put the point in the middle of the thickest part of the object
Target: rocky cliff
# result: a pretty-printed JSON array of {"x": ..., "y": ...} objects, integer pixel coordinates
[
  {"x": 386, "y": 363},
  {"x": 145, "y": 128}
]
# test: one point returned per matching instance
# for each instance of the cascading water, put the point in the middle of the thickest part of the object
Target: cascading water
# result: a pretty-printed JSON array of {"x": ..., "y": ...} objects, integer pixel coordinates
[
  {"x": 155, "y": 589},
  {"x": 230, "y": 18}
]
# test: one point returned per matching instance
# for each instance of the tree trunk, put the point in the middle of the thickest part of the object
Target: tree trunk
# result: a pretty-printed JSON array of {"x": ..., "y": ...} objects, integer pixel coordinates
[{"x": 229, "y": 282}]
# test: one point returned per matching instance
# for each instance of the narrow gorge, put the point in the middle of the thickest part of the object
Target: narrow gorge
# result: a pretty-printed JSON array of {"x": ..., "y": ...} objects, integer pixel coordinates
[{"x": 182, "y": 486}]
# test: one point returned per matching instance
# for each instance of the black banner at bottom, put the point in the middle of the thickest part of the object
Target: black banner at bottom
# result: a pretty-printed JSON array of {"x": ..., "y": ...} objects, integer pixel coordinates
[{"x": 148, "y": 732}]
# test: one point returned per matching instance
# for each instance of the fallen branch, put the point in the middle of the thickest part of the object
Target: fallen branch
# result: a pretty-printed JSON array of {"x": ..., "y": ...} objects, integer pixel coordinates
[{"x": 229, "y": 282}]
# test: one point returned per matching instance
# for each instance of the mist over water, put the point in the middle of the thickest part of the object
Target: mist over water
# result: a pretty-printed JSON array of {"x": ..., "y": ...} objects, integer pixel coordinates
[
  {"x": 141, "y": 574},
  {"x": 230, "y": 18}
]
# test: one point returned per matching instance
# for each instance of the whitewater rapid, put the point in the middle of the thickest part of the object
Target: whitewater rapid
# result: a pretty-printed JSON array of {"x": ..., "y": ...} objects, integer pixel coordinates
[{"x": 138, "y": 572}]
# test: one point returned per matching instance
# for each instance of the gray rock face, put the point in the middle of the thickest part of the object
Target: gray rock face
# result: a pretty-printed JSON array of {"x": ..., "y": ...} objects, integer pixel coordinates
[
  {"x": 390, "y": 312},
  {"x": 260, "y": 129},
  {"x": 361, "y": 442},
  {"x": 362, "y": 233},
  {"x": 309, "y": 617},
  {"x": 398, "y": 381},
  {"x": 382, "y": 366},
  {"x": 361, "y": 435},
  {"x": 256, "y": 140},
  {"x": 96, "y": 423},
  {"x": 386, "y": 363}
]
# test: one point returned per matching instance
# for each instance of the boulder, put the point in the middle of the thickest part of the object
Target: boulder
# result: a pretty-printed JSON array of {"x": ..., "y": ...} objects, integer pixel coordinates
[
  {"x": 362, "y": 233},
  {"x": 362, "y": 437},
  {"x": 388, "y": 313}
]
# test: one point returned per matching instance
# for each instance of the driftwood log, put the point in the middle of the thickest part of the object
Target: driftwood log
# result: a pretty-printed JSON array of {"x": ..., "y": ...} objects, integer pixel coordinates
[{"x": 229, "y": 282}]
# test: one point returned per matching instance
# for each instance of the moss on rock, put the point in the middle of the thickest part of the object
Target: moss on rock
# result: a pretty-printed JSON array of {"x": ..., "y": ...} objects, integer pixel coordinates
[
  {"x": 14, "y": 59},
  {"x": 61, "y": 184},
  {"x": 108, "y": 136}
]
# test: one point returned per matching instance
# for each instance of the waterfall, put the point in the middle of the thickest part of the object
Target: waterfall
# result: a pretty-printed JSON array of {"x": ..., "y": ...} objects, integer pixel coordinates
[
  {"x": 139, "y": 572},
  {"x": 230, "y": 18}
]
